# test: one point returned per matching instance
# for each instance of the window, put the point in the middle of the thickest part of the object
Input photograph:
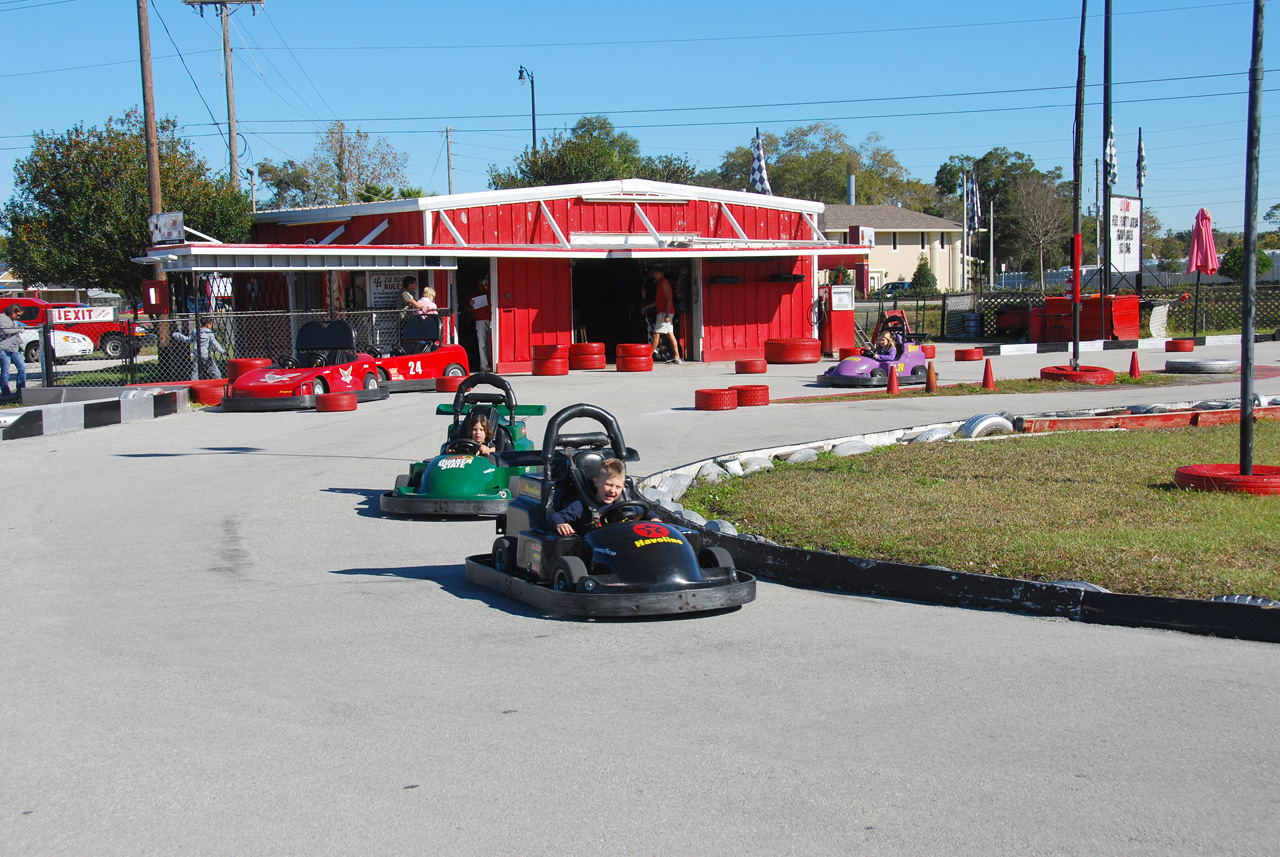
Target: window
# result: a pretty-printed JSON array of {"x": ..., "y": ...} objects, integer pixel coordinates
[
  {"x": 895, "y": 241},
  {"x": 924, "y": 240}
]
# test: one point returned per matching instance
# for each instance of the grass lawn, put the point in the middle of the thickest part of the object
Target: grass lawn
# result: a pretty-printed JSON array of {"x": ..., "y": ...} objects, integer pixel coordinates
[
  {"x": 1009, "y": 385},
  {"x": 1095, "y": 506}
]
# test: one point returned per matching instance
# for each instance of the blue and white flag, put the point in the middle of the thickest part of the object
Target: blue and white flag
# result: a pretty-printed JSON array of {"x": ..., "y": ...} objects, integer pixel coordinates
[
  {"x": 1110, "y": 165},
  {"x": 975, "y": 204},
  {"x": 759, "y": 173},
  {"x": 1142, "y": 163}
]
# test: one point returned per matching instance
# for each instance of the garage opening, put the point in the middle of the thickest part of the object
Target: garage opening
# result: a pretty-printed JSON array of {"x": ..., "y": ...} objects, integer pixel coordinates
[{"x": 608, "y": 295}]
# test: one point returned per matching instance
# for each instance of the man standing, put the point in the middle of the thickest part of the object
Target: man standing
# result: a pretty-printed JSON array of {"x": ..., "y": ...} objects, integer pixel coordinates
[
  {"x": 664, "y": 304},
  {"x": 11, "y": 350},
  {"x": 483, "y": 312}
]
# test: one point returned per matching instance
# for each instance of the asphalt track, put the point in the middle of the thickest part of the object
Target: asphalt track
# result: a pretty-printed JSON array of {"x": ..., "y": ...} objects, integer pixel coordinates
[{"x": 213, "y": 644}]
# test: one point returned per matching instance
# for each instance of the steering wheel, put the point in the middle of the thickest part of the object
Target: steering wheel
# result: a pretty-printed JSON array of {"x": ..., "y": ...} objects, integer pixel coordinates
[
  {"x": 621, "y": 513},
  {"x": 463, "y": 446}
]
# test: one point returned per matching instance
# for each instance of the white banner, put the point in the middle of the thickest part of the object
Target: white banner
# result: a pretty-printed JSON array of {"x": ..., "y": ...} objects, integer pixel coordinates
[
  {"x": 1126, "y": 227},
  {"x": 71, "y": 315}
]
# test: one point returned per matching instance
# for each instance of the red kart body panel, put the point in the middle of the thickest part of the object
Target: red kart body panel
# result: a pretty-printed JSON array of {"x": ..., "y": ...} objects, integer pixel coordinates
[
  {"x": 296, "y": 387},
  {"x": 430, "y": 364}
]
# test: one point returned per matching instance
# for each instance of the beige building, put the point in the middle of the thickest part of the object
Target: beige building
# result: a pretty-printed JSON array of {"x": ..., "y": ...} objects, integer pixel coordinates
[{"x": 901, "y": 235}]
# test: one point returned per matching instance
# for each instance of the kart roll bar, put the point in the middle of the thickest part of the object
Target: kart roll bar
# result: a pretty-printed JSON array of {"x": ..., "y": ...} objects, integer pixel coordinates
[
  {"x": 613, "y": 435},
  {"x": 508, "y": 396}
]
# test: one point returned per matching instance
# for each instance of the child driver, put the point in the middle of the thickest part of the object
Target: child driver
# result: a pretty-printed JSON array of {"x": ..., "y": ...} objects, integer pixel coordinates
[{"x": 610, "y": 483}]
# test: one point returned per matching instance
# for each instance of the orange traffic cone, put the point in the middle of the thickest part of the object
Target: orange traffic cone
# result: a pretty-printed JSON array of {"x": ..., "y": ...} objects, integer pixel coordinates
[
  {"x": 931, "y": 380},
  {"x": 1134, "y": 371},
  {"x": 988, "y": 378},
  {"x": 893, "y": 381}
]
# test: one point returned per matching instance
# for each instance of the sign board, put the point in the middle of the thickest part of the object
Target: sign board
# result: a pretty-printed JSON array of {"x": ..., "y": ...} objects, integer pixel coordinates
[
  {"x": 862, "y": 236},
  {"x": 1126, "y": 227},
  {"x": 166, "y": 228},
  {"x": 74, "y": 314},
  {"x": 384, "y": 288}
]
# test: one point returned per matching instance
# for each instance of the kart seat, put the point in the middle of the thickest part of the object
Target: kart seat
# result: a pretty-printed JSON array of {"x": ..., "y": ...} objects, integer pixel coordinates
[
  {"x": 335, "y": 343},
  {"x": 420, "y": 335}
]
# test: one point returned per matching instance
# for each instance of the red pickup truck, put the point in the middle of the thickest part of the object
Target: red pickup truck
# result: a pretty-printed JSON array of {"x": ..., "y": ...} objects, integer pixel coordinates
[{"x": 109, "y": 337}]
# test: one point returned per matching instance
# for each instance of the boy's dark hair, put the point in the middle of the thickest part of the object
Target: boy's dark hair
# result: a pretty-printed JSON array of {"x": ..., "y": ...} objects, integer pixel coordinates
[{"x": 409, "y": 280}]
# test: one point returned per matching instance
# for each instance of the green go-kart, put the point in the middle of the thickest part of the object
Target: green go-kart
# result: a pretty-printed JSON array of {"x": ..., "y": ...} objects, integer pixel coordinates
[{"x": 459, "y": 481}]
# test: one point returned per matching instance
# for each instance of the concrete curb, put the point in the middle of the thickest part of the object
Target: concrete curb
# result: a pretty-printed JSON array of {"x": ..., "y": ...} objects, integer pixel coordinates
[
  {"x": 1113, "y": 344},
  {"x": 91, "y": 413}
]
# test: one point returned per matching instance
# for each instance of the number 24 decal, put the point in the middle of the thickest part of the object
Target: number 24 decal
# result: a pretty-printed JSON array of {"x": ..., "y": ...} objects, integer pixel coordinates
[{"x": 415, "y": 367}]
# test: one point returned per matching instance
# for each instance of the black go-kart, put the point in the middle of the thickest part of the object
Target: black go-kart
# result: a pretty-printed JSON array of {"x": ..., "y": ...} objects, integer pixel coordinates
[{"x": 627, "y": 565}]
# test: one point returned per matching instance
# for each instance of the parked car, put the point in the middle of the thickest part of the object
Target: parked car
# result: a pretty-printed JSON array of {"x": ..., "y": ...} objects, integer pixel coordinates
[
  {"x": 109, "y": 337},
  {"x": 895, "y": 288},
  {"x": 66, "y": 345}
]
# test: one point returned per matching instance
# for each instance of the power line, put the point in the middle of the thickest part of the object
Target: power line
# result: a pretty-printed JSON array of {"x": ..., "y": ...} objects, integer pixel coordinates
[{"x": 184, "y": 65}]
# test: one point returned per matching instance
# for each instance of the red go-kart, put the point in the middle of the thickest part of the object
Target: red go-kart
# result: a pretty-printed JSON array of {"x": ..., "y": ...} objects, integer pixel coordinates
[{"x": 419, "y": 359}]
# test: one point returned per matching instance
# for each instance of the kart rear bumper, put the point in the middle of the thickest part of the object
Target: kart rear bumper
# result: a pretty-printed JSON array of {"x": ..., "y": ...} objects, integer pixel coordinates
[
  {"x": 603, "y": 604},
  {"x": 411, "y": 385},
  {"x": 432, "y": 506},
  {"x": 864, "y": 381},
  {"x": 291, "y": 403}
]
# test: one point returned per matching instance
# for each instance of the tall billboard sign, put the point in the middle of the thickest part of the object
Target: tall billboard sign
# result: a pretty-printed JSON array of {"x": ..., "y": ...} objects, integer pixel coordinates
[{"x": 1126, "y": 226}]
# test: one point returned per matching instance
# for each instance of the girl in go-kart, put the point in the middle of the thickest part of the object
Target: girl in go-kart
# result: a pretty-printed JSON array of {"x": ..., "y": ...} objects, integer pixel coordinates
[{"x": 477, "y": 434}]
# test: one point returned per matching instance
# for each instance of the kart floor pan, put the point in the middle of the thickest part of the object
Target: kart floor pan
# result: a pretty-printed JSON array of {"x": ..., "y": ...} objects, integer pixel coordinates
[{"x": 605, "y": 605}]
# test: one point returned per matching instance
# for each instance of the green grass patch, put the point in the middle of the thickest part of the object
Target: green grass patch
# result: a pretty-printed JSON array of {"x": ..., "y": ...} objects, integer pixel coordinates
[
  {"x": 1095, "y": 506},
  {"x": 1011, "y": 385}
]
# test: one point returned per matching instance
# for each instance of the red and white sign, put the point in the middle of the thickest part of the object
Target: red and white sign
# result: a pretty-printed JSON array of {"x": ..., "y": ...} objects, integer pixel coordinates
[
  {"x": 74, "y": 314},
  {"x": 1126, "y": 226}
]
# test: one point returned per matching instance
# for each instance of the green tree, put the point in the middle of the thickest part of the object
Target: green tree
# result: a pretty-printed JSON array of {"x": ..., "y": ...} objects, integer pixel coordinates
[
  {"x": 292, "y": 185},
  {"x": 1039, "y": 210},
  {"x": 923, "y": 281},
  {"x": 591, "y": 151},
  {"x": 997, "y": 172},
  {"x": 1232, "y": 264},
  {"x": 79, "y": 211}
]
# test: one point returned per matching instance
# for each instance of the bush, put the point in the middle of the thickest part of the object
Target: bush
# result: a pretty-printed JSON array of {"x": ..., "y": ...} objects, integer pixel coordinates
[
  {"x": 923, "y": 282},
  {"x": 1232, "y": 266}
]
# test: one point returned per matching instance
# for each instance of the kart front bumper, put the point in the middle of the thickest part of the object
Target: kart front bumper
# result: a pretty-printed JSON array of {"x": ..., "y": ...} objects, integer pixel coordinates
[
  {"x": 391, "y": 504},
  {"x": 292, "y": 403},
  {"x": 866, "y": 381}
]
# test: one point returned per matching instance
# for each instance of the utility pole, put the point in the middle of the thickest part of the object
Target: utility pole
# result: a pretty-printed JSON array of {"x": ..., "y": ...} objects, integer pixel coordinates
[
  {"x": 448, "y": 142},
  {"x": 149, "y": 120},
  {"x": 233, "y": 140}
]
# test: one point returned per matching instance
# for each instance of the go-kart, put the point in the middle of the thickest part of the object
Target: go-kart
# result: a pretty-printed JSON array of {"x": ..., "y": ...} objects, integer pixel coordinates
[
  {"x": 419, "y": 359},
  {"x": 871, "y": 367},
  {"x": 459, "y": 481},
  {"x": 326, "y": 362},
  {"x": 628, "y": 565}
]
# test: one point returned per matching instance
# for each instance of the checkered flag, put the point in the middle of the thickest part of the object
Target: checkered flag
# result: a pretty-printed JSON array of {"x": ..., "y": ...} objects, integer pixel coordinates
[
  {"x": 1142, "y": 163},
  {"x": 1112, "y": 168},
  {"x": 759, "y": 173},
  {"x": 975, "y": 204}
]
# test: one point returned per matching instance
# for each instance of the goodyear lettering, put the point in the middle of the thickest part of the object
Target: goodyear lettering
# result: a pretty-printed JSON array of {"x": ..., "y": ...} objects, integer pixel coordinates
[{"x": 642, "y": 542}]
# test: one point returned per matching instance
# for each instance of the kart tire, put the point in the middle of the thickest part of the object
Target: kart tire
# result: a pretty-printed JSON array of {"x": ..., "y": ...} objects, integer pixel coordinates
[
  {"x": 879, "y": 375},
  {"x": 920, "y": 370},
  {"x": 1082, "y": 375},
  {"x": 634, "y": 349},
  {"x": 550, "y": 352},
  {"x": 797, "y": 350},
  {"x": 371, "y": 380},
  {"x": 635, "y": 364},
  {"x": 715, "y": 400},
  {"x": 448, "y": 383},
  {"x": 237, "y": 366},
  {"x": 751, "y": 366},
  {"x": 565, "y": 571},
  {"x": 383, "y": 377},
  {"x": 968, "y": 354},
  {"x": 1227, "y": 477},
  {"x": 551, "y": 365},
  {"x": 582, "y": 349},
  {"x": 714, "y": 557},
  {"x": 319, "y": 386},
  {"x": 1200, "y": 367},
  {"x": 1180, "y": 345},
  {"x": 504, "y": 556},
  {"x": 752, "y": 395},
  {"x": 333, "y": 402},
  {"x": 587, "y": 361},
  {"x": 454, "y": 370}
]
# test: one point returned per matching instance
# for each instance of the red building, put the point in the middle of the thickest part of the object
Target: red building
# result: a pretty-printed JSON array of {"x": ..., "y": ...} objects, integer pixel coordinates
[{"x": 564, "y": 263}]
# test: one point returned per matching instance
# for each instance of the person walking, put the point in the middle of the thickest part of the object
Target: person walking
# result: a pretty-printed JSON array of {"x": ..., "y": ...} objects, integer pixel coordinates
[
  {"x": 11, "y": 350},
  {"x": 206, "y": 344},
  {"x": 664, "y": 305}
]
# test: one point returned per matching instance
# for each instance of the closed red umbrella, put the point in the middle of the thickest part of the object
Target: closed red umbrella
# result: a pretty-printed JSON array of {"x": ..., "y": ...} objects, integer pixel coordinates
[{"x": 1201, "y": 258}]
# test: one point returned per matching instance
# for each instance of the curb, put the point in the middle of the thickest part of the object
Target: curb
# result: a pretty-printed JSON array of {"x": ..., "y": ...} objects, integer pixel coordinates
[
  {"x": 95, "y": 413},
  {"x": 1113, "y": 344}
]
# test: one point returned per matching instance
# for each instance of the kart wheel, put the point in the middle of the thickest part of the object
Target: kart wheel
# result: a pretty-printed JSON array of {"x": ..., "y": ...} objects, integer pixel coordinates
[
  {"x": 920, "y": 370},
  {"x": 504, "y": 556},
  {"x": 880, "y": 375},
  {"x": 371, "y": 381},
  {"x": 383, "y": 377},
  {"x": 714, "y": 558},
  {"x": 454, "y": 370},
  {"x": 319, "y": 386},
  {"x": 31, "y": 352},
  {"x": 565, "y": 571}
]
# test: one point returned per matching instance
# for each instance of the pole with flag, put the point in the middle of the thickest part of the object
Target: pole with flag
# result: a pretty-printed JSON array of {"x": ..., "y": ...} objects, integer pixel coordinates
[
  {"x": 759, "y": 172},
  {"x": 973, "y": 210},
  {"x": 1111, "y": 174},
  {"x": 1142, "y": 177}
]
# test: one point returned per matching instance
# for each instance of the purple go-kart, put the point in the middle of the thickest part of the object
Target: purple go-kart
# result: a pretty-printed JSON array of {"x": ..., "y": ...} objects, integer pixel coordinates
[{"x": 871, "y": 368}]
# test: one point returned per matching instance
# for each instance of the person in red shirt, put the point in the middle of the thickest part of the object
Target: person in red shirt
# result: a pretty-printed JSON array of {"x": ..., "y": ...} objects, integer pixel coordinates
[
  {"x": 482, "y": 312},
  {"x": 664, "y": 304}
]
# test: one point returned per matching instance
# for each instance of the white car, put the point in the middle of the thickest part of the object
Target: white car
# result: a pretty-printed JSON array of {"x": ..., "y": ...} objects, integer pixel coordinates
[{"x": 66, "y": 345}]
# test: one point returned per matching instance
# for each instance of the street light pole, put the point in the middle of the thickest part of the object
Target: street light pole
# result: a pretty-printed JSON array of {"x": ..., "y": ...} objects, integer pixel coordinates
[{"x": 533, "y": 103}]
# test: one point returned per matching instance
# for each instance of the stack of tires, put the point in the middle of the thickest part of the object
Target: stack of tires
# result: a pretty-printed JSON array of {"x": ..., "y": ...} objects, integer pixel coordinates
[
  {"x": 586, "y": 355},
  {"x": 635, "y": 357},
  {"x": 796, "y": 350},
  {"x": 551, "y": 359}
]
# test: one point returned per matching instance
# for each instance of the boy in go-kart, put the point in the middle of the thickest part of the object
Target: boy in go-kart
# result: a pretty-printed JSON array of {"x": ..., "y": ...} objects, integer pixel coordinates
[{"x": 610, "y": 482}]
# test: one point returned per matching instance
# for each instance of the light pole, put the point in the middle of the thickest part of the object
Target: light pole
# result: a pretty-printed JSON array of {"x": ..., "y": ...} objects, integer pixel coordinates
[{"x": 533, "y": 102}]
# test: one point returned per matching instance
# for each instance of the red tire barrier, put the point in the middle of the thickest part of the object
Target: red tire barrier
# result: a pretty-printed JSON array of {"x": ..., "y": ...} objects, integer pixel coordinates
[
  {"x": 1180, "y": 345},
  {"x": 853, "y": 351},
  {"x": 579, "y": 349},
  {"x": 587, "y": 361},
  {"x": 634, "y": 349},
  {"x": 449, "y": 383},
  {"x": 327, "y": 402},
  {"x": 635, "y": 364},
  {"x": 752, "y": 395},
  {"x": 237, "y": 366},
  {"x": 799, "y": 350},
  {"x": 1227, "y": 477},
  {"x": 551, "y": 365},
  {"x": 751, "y": 366},
  {"x": 715, "y": 400},
  {"x": 550, "y": 352},
  {"x": 209, "y": 392},
  {"x": 929, "y": 351},
  {"x": 1083, "y": 375},
  {"x": 963, "y": 354}
]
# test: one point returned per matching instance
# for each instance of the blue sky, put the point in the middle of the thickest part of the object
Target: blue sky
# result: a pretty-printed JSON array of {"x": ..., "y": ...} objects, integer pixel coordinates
[{"x": 932, "y": 78}]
